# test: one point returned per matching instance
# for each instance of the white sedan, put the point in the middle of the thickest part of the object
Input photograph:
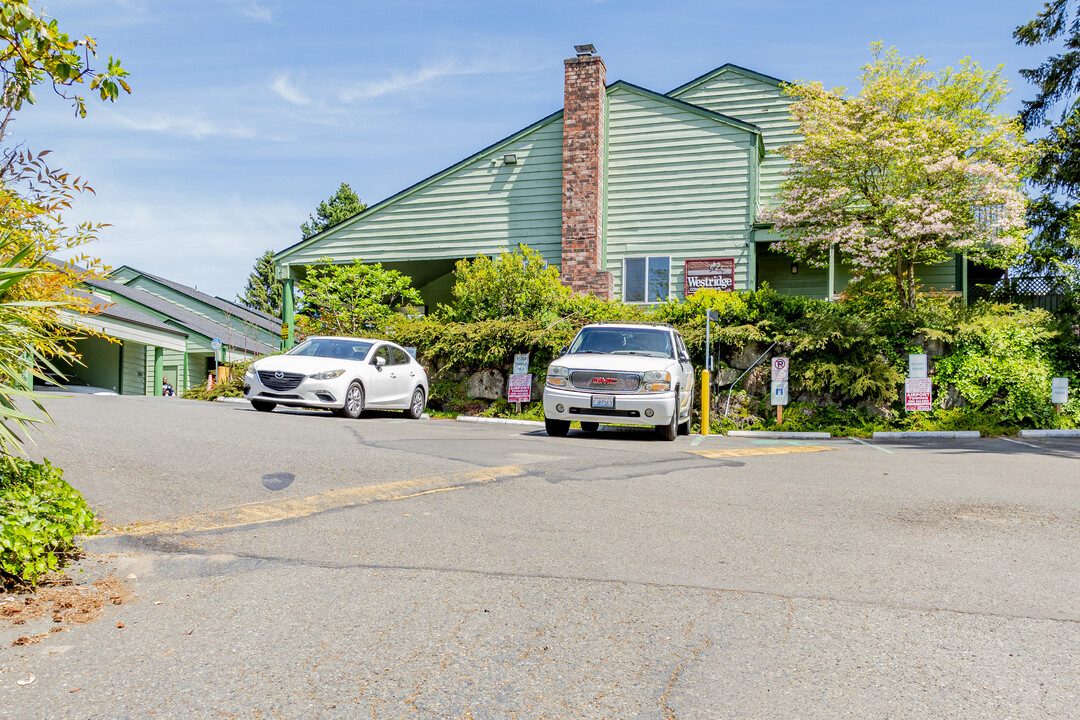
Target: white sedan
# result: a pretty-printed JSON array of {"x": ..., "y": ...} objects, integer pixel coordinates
[{"x": 342, "y": 374}]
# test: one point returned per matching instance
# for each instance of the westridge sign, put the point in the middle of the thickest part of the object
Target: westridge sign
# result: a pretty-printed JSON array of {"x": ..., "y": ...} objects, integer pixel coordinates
[{"x": 715, "y": 273}]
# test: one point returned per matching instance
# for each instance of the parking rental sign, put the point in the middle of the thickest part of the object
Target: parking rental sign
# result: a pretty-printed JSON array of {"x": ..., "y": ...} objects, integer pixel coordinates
[{"x": 918, "y": 394}]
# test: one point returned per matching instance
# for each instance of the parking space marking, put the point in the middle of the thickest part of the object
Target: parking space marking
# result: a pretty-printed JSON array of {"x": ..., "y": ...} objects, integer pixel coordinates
[
  {"x": 876, "y": 447},
  {"x": 291, "y": 508},
  {"x": 1020, "y": 442},
  {"x": 744, "y": 452}
]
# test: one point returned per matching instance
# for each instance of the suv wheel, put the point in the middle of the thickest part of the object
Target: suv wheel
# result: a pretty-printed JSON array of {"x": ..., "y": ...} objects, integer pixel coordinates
[
  {"x": 556, "y": 428},
  {"x": 684, "y": 428},
  {"x": 671, "y": 430}
]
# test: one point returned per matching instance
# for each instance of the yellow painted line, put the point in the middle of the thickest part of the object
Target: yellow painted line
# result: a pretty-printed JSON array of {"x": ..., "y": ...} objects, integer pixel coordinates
[
  {"x": 290, "y": 508},
  {"x": 743, "y": 452}
]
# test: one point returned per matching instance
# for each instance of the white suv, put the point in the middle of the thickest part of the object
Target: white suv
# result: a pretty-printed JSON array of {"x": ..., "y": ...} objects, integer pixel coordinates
[{"x": 627, "y": 373}]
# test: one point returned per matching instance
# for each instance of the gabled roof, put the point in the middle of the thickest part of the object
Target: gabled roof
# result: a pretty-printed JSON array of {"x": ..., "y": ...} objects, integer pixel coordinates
[
  {"x": 728, "y": 67},
  {"x": 719, "y": 117},
  {"x": 185, "y": 318},
  {"x": 553, "y": 117},
  {"x": 267, "y": 322},
  {"x": 127, "y": 314},
  {"x": 422, "y": 184}
]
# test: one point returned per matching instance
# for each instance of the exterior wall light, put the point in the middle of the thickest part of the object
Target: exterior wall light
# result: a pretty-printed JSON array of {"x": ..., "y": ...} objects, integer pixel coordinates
[
  {"x": 510, "y": 159},
  {"x": 794, "y": 268}
]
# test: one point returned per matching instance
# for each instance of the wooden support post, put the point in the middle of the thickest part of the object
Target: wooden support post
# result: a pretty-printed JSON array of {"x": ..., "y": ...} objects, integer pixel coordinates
[
  {"x": 704, "y": 402},
  {"x": 779, "y": 414},
  {"x": 1057, "y": 406}
]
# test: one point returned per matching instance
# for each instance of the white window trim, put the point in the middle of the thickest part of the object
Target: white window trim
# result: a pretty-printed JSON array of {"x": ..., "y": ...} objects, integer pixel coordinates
[{"x": 646, "y": 258}]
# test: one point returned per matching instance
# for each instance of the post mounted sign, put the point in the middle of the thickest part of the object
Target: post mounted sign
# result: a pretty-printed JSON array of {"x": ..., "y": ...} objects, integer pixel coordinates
[
  {"x": 918, "y": 394},
  {"x": 780, "y": 367},
  {"x": 1059, "y": 390},
  {"x": 916, "y": 366},
  {"x": 519, "y": 389},
  {"x": 780, "y": 393},
  {"x": 716, "y": 273},
  {"x": 521, "y": 363}
]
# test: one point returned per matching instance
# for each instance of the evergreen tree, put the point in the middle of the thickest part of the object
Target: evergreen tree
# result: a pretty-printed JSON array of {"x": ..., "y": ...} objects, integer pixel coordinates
[
  {"x": 342, "y": 205},
  {"x": 1054, "y": 216},
  {"x": 263, "y": 291}
]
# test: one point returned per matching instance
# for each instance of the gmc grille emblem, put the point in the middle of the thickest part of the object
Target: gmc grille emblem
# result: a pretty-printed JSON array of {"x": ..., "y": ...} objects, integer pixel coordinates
[{"x": 604, "y": 381}]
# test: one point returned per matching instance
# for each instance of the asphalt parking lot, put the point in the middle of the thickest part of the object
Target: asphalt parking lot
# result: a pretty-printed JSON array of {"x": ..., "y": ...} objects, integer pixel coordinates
[{"x": 299, "y": 565}]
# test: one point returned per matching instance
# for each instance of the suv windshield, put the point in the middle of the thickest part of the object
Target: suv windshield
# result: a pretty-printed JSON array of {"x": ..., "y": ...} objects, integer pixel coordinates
[
  {"x": 624, "y": 341},
  {"x": 321, "y": 347}
]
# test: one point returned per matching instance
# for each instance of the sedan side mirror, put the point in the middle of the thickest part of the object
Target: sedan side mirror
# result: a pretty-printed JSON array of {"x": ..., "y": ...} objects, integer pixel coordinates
[{"x": 379, "y": 361}]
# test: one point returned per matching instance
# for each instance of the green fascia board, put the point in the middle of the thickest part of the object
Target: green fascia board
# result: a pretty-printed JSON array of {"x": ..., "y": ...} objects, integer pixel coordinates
[
  {"x": 284, "y": 254},
  {"x": 729, "y": 67},
  {"x": 682, "y": 104}
]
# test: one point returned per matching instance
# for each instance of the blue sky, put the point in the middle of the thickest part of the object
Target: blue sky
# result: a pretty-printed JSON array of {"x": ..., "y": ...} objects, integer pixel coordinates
[{"x": 245, "y": 114}]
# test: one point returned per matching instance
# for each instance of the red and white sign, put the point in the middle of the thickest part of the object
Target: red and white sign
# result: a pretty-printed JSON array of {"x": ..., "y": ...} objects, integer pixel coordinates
[
  {"x": 519, "y": 389},
  {"x": 918, "y": 394},
  {"x": 715, "y": 273},
  {"x": 780, "y": 367}
]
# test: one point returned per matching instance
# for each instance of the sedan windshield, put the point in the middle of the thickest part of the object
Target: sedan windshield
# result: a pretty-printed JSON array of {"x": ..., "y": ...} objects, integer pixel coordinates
[
  {"x": 624, "y": 341},
  {"x": 333, "y": 348}
]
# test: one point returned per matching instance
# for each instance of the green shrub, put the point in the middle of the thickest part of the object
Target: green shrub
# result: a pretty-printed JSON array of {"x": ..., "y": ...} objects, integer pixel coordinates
[
  {"x": 40, "y": 517},
  {"x": 1003, "y": 360},
  {"x": 233, "y": 387},
  {"x": 511, "y": 285}
]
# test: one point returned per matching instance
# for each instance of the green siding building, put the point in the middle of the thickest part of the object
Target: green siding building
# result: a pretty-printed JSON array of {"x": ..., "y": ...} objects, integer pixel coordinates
[
  {"x": 623, "y": 189},
  {"x": 157, "y": 329}
]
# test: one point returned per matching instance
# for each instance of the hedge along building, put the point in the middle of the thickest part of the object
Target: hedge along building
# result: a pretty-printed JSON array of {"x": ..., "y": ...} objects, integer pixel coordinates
[{"x": 634, "y": 194}]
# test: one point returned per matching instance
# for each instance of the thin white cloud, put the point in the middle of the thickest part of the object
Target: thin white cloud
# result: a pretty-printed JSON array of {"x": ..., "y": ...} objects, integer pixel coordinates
[
  {"x": 405, "y": 80},
  {"x": 251, "y": 9},
  {"x": 289, "y": 92},
  {"x": 191, "y": 126}
]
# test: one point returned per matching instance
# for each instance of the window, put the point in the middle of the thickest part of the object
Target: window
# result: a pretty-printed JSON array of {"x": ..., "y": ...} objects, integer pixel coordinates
[
  {"x": 646, "y": 279},
  {"x": 400, "y": 356}
]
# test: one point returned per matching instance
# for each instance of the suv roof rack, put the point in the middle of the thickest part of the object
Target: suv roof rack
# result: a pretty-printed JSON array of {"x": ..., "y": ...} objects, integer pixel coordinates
[{"x": 631, "y": 322}]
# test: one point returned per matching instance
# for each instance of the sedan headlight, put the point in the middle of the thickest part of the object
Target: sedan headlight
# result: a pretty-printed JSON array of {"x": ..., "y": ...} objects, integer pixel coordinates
[
  {"x": 656, "y": 381},
  {"x": 327, "y": 375},
  {"x": 558, "y": 376}
]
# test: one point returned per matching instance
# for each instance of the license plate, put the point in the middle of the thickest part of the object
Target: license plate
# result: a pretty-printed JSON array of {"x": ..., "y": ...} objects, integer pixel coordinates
[{"x": 603, "y": 401}]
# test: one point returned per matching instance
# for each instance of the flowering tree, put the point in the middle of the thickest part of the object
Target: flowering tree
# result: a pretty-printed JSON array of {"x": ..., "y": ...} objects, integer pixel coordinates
[{"x": 913, "y": 169}]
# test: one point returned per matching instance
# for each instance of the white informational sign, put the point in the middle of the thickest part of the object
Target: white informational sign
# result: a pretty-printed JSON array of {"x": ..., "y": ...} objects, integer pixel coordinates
[
  {"x": 519, "y": 389},
  {"x": 918, "y": 394},
  {"x": 779, "y": 370},
  {"x": 780, "y": 393},
  {"x": 216, "y": 344},
  {"x": 916, "y": 366},
  {"x": 1059, "y": 390},
  {"x": 521, "y": 363},
  {"x": 411, "y": 351}
]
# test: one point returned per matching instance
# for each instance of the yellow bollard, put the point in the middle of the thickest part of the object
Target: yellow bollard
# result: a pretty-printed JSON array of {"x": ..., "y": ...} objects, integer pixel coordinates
[{"x": 704, "y": 402}]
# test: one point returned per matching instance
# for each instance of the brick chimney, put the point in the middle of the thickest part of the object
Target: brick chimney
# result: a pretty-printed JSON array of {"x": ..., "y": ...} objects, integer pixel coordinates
[{"x": 584, "y": 113}]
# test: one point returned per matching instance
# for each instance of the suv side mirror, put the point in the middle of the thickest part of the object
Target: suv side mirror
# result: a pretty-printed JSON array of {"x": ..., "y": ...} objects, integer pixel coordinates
[
  {"x": 563, "y": 350},
  {"x": 684, "y": 358}
]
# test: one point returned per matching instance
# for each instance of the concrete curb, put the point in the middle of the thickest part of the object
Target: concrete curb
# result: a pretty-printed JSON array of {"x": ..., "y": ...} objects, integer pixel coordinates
[
  {"x": 498, "y": 421},
  {"x": 234, "y": 401},
  {"x": 909, "y": 434},
  {"x": 780, "y": 435},
  {"x": 1050, "y": 433}
]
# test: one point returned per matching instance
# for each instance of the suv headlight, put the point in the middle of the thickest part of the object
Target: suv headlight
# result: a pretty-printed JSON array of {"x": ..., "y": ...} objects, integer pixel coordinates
[
  {"x": 656, "y": 381},
  {"x": 558, "y": 376},
  {"x": 327, "y": 375}
]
